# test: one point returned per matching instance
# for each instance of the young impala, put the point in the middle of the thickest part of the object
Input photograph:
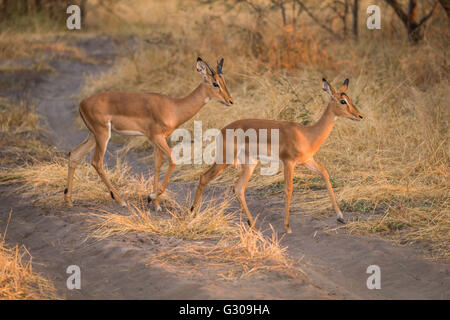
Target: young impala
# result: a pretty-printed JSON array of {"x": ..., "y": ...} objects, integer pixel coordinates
[
  {"x": 297, "y": 145},
  {"x": 152, "y": 115}
]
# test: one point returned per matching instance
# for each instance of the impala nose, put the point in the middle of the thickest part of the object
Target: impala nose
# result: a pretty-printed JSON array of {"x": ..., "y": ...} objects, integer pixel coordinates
[{"x": 361, "y": 117}]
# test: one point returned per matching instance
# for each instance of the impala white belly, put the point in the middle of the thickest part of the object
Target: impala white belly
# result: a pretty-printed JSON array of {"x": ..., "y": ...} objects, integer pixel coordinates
[
  {"x": 129, "y": 132},
  {"x": 266, "y": 159}
]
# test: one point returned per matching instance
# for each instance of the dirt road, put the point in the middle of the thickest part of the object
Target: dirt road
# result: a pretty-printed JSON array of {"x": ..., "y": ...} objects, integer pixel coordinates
[{"x": 335, "y": 262}]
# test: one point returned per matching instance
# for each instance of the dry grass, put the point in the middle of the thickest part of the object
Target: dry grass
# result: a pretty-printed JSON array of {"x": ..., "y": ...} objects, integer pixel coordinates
[
  {"x": 210, "y": 222},
  {"x": 31, "y": 51},
  {"x": 408, "y": 223},
  {"x": 45, "y": 181},
  {"x": 18, "y": 118},
  {"x": 398, "y": 156},
  {"x": 18, "y": 281},
  {"x": 245, "y": 253},
  {"x": 238, "y": 251},
  {"x": 20, "y": 134}
]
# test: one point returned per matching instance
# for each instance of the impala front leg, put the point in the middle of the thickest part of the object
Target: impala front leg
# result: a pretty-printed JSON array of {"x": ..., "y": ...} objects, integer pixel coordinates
[
  {"x": 101, "y": 140},
  {"x": 314, "y": 166}
]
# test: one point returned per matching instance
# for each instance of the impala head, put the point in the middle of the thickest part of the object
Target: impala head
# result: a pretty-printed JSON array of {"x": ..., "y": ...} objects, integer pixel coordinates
[
  {"x": 341, "y": 103},
  {"x": 217, "y": 88}
]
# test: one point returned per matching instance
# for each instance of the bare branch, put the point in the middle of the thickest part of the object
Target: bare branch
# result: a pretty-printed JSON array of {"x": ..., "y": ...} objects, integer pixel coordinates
[
  {"x": 428, "y": 16},
  {"x": 317, "y": 20},
  {"x": 446, "y": 5},
  {"x": 398, "y": 10}
]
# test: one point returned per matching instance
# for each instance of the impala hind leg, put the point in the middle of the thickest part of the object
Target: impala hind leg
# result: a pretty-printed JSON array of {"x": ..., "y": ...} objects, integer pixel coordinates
[
  {"x": 161, "y": 144},
  {"x": 158, "y": 162},
  {"x": 206, "y": 178},
  {"x": 239, "y": 190},
  {"x": 288, "y": 188},
  {"x": 101, "y": 140},
  {"x": 74, "y": 157},
  {"x": 314, "y": 166}
]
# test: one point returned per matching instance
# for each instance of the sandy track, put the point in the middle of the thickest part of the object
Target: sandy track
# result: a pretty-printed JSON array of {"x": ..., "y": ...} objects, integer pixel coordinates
[{"x": 116, "y": 268}]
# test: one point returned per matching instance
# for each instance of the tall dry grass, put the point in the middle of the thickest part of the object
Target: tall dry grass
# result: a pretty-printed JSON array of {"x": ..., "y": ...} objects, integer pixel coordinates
[
  {"x": 393, "y": 167},
  {"x": 20, "y": 134},
  {"x": 17, "y": 118},
  {"x": 30, "y": 52},
  {"x": 178, "y": 221},
  {"x": 214, "y": 238},
  {"x": 246, "y": 253},
  {"x": 18, "y": 281},
  {"x": 44, "y": 182},
  {"x": 19, "y": 124}
]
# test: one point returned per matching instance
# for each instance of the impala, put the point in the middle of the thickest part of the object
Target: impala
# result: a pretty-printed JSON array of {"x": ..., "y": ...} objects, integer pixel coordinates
[
  {"x": 297, "y": 145},
  {"x": 152, "y": 115}
]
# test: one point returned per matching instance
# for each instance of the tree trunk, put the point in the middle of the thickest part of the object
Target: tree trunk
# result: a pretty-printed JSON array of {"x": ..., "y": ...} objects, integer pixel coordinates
[
  {"x": 4, "y": 9},
  {"x": 446, "y": 5},
  {"x": 283, "y": 14},
  {"x": 415, "y": 33},
  {"x": 355, "y": 18},
  {"x": 410, "y": 20},
  {"x": 83, "y": 10},
  {"x": 344, "y": 16}
]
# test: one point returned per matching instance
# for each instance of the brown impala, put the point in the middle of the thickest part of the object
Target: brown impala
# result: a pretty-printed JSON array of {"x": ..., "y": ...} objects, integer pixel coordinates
[
  {"x": 152, "y": 115},
  {"x": 297, "y": 145}
]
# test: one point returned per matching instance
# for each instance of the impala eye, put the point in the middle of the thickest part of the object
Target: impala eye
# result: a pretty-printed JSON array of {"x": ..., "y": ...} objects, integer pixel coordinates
[
  {"x": 215, "y": 84},
  {"x": 343, "y": 101}
]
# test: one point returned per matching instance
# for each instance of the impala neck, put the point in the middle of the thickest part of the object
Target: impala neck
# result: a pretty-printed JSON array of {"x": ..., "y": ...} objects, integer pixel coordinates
[
  {"x": 322, "y": 128},
  {"x": 188, "y": 106}
]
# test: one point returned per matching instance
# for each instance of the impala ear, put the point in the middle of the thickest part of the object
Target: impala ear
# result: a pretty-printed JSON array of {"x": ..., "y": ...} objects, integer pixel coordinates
[
  {"x": 201, "y": 68},
  {"x": 327, "y": 87},
  {"x": 220, "y": 66},
  {"x": 345, "y": 85}
]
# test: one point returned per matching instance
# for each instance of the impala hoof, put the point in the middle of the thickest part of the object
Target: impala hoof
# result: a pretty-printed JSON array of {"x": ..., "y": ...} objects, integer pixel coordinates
[
  {"x": 66, "y": 190},
  {"x": 158, "y": 208},
  {"x": 192, "y": 208},
  {"x": 112, "y": 195},
  {"x": 149, "y": 199},
  {"x": 288, "y": 229},
  {"x": 341, "y": 220}
]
